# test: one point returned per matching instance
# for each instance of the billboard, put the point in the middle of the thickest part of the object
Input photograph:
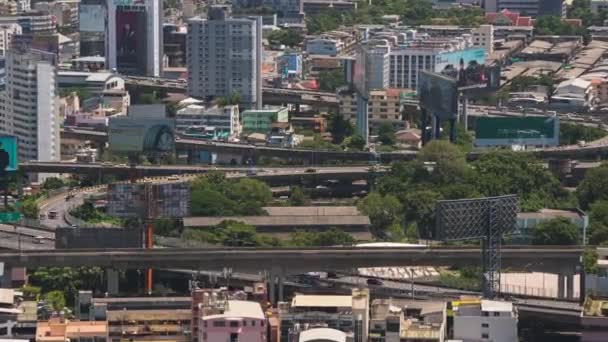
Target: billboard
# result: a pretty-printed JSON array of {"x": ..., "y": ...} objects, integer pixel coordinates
[
  {"x": 512, "y": 131},
  {"x": 8, "y": 153},
  {"x": 66, "y": 238},
  {"x": 92, "y": 18},
  {"x": 131, "y": 39},
  {"x": 468, "y": 68},
  {"x": 141, "y": 134},
  {"x": 147, "y": 200},
  {"x": 438, "y": 94},
  {"x": 452, "y": 60}
]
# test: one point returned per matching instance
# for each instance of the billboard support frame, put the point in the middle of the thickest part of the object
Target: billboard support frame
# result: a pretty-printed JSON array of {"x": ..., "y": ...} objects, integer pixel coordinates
[{"x": 485, "y": 219}]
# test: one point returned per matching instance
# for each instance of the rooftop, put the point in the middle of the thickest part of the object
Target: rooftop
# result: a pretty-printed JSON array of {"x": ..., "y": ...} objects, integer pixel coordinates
[
  {"x": 59, "y": 330},
  {"x": 322, "y": 334},
  {"x": 495, "y": 306},
  {"x": 239, "y": 309},
  {"x": 319, "y": 301},
  {"x": 549, "y": 214}
]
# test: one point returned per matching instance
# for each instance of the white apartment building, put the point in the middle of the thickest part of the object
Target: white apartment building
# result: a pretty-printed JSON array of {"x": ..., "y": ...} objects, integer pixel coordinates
[
  {"x": 324, "y": 46},
  {"x": 485, "y": 320},
  {"x": 483, "y": 37},
  {"x": 225, "y": 57},
  {"x": 29, "y": 104},
  {"x": 7, "y": 31},
  {"x": 222, "y": 119}
]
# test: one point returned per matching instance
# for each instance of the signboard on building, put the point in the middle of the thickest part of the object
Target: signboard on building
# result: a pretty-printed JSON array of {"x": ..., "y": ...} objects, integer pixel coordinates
[
  {"x": 147, "y": 200},
  {"x": 141, "y": 134},
  {"x": 468, "y": 68},
  {"x": 66, "y": 238},
  {"x": 8, "y": 153},
  {"x": 517, "y": 131},
  {"x": 438, "y": 94}
]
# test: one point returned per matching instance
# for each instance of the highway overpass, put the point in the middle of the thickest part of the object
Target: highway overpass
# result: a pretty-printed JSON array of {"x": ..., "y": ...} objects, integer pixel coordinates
[{"x": 556, "y": 259}]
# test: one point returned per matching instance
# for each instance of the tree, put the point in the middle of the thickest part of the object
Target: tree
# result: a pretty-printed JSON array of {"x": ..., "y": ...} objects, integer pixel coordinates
[
  {"x": 288, "y": 37},
  {"x": 598, "y": 234},
  {"x": 554, "y": 25},
  {"x": 29, "y": 208},
  {"x": 570, "y": 134},
  {"x": 52, "y": 183},
  {"x": 382, "y": 211},
  {"x": 386, "y": 134},
  {"x": 590, "y": 261},
  {"x": 330, "y": 237},
  {"x": 339, "y": 127},
  {"x": 55, "y": 299},
  {"x": 251, "y": 195},
  {"x": 297, "y": 196},
  {"x": 507, "y": 172},
  {"x": 355, "y": 142},
  {"x": 419, "y": 207},
  {"x": 331, "y": 80},
  {"x": 417, "y": 12},
  {"x": 557, "y": 231},
  {"x": 165, "y": 227},
  {"x": 232, "y": 99},
  {"x": 209, "y": 202},
  {"x": 599, "y": 212},
  {"x": 594, "y": 186},
  {"x": 237, "y": 234},
  {"x": 326, "y": 21}
]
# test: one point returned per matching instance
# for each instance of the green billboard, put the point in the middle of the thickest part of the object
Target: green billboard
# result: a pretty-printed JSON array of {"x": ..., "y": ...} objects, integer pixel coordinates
[
  {"x": 522, "y": 130},
  {"x": 8, "y": 153}
]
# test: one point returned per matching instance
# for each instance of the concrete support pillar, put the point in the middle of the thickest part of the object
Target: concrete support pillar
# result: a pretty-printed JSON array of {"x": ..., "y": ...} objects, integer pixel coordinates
[
  {"x": 281, "y": 288},
  {"x": 272, "y": 288},
  {"x": 561, "y": 293},
  {"x": 570, "y": 286},
  {"x": 5, "y": 276},
  {"x": 112, "y": 281}
]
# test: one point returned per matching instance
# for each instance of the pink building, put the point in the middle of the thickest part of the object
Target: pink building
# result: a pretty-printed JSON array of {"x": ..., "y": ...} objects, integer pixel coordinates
[{"x": 231, "y": 321}]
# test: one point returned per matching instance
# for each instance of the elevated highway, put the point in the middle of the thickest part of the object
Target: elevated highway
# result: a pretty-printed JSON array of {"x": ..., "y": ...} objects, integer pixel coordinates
[{"x": 555, "y": 258}]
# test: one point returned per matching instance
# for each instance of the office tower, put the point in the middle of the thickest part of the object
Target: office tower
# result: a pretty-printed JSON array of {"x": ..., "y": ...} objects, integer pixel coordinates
[
  {"x": 371, "y": 73},
  {"x": 225, "y": 57},
  {"x": 92, "y": 16},
  {"x": 134, "y": 38},
  {"x": 29, "y": 107}
]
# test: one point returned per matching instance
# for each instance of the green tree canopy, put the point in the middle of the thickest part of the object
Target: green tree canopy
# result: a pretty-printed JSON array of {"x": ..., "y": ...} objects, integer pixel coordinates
[
  {"x": 557, "y": 231},
  {"x": 297, "y": 196},
  {"x": 382, "y": 211},
  {"x": 330, "y": 237},
  {"x": 237, "y": 234},
  {"x": 331, "y": 80},
  {"x": 355, "y": 142},
  {"x": 570, "y": 134},
  {"x": 339, "y": 127},
  {"x": 386, "y": 134},
  {"x": 288, "y": 37},
  {"x": 29, "y": 208},
  {"x": 594, "y": 186},
  {"x": 55, "y": 299},
  {"x": 419, "y": 208},
  {"x": 53, "y": 183}
]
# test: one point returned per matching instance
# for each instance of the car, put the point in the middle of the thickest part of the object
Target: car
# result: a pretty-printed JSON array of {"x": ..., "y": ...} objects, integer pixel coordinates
[
  {"x": 173, "y": 178},
  {"x": 39, "y": 239},
  {"x": 374, "y": 281},
  {"x": 310, "y": 170},
  {"x": 52, "y": 215}
]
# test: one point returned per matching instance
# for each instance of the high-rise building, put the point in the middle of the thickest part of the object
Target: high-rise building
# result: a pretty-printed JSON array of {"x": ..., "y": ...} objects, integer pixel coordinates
[
  {"x": 533, "y": 8},
  {"x": 28, "y": 109},
  {"x": 92, "y": 16},
  {"x": 134, "y": 37},
  {"x": 7, "y": 31},
  {"x": 225, "y": 57}
]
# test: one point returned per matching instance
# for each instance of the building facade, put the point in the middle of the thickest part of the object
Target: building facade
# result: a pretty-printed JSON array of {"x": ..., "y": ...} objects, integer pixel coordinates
[
  {"x": 260, "y": 120},
  {"x": 485, "y": 320},
  {"x": 7, "y": 31},
  {"x": 221, "y": 119},
  {"x": 29, "y": 108},
  {"x": 134, "y": 38},
  {"x": 225, "y": 57},
  {"x": 483, "y": 37},
  {"x": 383, "y": 106}
]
